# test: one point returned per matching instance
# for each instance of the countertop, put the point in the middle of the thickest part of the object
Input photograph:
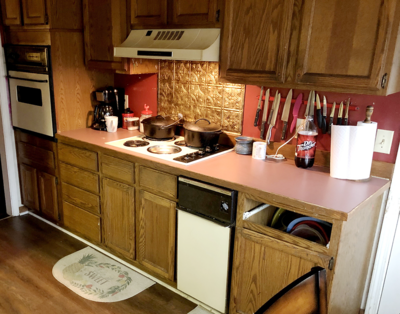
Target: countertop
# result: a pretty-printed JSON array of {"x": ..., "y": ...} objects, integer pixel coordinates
[{"x": 313, "y": 186}]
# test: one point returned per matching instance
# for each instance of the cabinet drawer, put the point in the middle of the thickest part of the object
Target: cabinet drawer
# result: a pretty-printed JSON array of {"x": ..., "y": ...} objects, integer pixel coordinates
[
  {"x": 165, "y": 183},
  {"x": 81, "y": 198},
  {"x": 82, "y": 222},
  {"x": 78, "y": 157},
  {"x": 83, "y": 179},
  {"x": 118, "y": 169},
  {"x": 35, "y": 156}
]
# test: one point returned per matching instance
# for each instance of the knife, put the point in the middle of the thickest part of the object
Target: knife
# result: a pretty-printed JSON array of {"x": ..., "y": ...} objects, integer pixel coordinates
[
  {"x": 264, "y": 116},
  {"x": 319, "y": 114},
  {"x": 331, "y": 117},
  {"x": 295, "y": 112},
  {"x": 259, "y": 106},
  {"x": 346, "y": 117},
  {"x": 324, "y": 111},
  {"x": 311, "y": 113},
  {"x": 273, "y": 119},
  {"x": 340, "y": 114},
  {"x": 308, "y": 104},
  {"x": 272, "y": 108},
  {"x": 285, "y": 113}
]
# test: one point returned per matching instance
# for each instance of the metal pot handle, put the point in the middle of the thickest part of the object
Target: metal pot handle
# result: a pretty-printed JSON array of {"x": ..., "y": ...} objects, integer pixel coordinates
[
  {"x": 180, "y": 117},
  {"x": 203, "y": 119},
  {"x": 160, "y": 116}
]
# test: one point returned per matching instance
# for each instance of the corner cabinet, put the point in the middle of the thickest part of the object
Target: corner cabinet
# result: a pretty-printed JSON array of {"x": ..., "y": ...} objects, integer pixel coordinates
[{"x": 330, "y": 45}]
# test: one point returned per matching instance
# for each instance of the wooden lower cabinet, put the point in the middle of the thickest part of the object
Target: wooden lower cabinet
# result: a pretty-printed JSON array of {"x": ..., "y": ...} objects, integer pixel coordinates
[
  {"x": 263, "y": 266},
  {"x": 157, "y": 234},
  {"x": 29, "y": 188},
  {"x": 118, "y": 206},
  {"x": 48, "y": 195}
]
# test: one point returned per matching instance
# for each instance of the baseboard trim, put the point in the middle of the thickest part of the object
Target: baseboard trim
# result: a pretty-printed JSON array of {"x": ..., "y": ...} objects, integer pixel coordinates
[{"x": 127, "y": 265}]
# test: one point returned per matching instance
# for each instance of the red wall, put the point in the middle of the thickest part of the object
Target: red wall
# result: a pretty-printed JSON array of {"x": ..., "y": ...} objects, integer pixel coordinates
[
  {"x": 142, "y": 89},
  {"x": 386, "y": 114}
]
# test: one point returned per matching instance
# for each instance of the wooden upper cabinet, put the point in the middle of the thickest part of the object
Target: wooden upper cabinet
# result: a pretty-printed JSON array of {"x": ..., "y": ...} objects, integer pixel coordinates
[
  {"x": 255, "y": 40},
  {"x": 195, "y": 12},
  {"x": 34, "y": 12},
  {"x": 343, "y": 43},
  {"x": 11, "y": 12},
  {"x": 145, "y": 13}
]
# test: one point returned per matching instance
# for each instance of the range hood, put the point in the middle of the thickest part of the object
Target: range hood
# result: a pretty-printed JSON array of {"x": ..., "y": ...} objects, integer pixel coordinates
[{"x": 171, "y": 44}]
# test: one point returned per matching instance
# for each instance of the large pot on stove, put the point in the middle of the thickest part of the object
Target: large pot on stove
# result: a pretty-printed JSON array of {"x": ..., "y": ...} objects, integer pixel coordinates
[
  {"x": 159, "y": 127},
  {"x": 201, "y": 133}
]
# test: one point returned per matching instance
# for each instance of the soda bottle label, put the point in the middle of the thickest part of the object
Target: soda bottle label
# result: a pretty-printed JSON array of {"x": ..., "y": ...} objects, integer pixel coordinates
[{"x": 306, "y": 145}]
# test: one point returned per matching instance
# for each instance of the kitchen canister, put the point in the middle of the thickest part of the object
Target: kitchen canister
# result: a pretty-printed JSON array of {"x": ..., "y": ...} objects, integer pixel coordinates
[
  {"x": 244, "y": 145},
  {"x": 132, "y": 123}
]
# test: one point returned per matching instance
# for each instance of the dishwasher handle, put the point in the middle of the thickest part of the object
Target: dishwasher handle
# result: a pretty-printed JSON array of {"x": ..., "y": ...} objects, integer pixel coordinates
[{"x": 216, "y": 221}]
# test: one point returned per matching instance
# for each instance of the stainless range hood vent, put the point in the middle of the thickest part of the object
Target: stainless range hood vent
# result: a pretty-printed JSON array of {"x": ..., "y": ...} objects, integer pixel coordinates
[{"x": 171, "y": 44}]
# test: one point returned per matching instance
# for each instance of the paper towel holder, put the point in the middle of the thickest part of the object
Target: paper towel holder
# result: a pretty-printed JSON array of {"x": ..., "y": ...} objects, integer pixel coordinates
[{"x": 368, "y": 114}]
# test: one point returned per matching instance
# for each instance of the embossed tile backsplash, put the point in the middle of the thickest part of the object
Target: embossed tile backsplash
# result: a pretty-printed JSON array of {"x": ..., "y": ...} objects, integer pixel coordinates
[{"x": 193, "y": 89}]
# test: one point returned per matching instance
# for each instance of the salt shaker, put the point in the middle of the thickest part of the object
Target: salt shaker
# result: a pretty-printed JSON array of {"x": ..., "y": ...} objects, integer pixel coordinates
[{"x": 146, "y": 113}]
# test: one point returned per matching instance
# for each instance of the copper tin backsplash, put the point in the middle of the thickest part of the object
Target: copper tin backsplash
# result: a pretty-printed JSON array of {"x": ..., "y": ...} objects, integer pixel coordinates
[{"x": 193, "y": 89}]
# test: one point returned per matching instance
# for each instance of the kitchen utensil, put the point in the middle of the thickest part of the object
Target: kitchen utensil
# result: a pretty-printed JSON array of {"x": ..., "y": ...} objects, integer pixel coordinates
[
  {"x": 319, "y": 113},
  {"x": 106, "y": 107},
  {"x": 309, "y": 233},
  {"x": 201, "y": 133},
  {"x": 259, "y": 150},
  {"x": 315, "y": 225},
  {"x": 273, "y": 108},
  {"x": 309, "y": 102},
  {"x": 312, "y": 104},
  {"x": 324, "y": 112},
  {"x": 285, "y": 113},
  {"x": 146, "y": 113},
  {"x": 368, "y": 113},
  {"x": 332, "y": 115},
  {"x": 154, "y": 127},
  {"x": 259, "y": 106},
  {"x": 295, "y": 112},
  {"x": 273, "y": 119},
  {"x": 346, "y": 117},
  {"x": 264, "y": 116},
  {"x": 340, "y": 114},
  {"x": 111, "y": 123},
  {"x": 276, "y": 217},
  {"x": 244, "y": 145},
  {"x": 326, "y": 225}
]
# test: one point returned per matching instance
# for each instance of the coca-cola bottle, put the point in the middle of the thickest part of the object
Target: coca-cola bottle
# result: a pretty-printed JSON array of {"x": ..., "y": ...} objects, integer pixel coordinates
[{"x": 306, "y": 144}]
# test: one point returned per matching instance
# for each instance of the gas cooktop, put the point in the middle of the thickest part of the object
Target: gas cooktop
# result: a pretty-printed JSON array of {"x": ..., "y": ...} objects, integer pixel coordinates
[{"x": 173, "y": 149}]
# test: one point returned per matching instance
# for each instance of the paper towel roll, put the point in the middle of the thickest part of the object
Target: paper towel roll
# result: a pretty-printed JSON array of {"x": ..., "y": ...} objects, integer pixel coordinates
[{"x": 352, "y": 148}]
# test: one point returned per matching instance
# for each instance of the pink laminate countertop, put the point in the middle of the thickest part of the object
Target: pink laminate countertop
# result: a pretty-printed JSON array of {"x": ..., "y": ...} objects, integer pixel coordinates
[{"x": 311, "y": 186}]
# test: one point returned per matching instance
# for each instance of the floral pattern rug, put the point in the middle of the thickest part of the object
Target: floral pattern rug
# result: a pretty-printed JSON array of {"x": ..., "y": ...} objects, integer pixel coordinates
[{"x": 99, "y": 278}]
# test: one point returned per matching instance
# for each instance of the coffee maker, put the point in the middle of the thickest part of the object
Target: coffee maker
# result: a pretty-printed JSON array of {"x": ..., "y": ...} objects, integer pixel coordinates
[{"x": 110, "y": 104}]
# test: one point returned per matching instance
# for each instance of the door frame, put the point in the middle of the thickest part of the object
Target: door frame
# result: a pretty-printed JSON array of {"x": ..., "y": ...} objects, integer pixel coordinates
[
  {"x": 8, "y": 153},
  {"x": 386, "y": 239}
]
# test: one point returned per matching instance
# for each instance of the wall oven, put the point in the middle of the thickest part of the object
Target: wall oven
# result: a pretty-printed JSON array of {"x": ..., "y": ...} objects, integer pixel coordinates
[{"x": 31, "y": 93}]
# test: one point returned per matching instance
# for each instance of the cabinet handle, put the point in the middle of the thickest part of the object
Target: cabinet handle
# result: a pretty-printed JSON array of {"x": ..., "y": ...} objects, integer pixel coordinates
[
  {"x": 217, "y": 13},
  {"x": 384, "y": 80}
]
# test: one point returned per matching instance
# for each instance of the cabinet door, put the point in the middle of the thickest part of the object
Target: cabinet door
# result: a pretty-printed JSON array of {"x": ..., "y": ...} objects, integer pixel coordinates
[
  {"x": 105, "y": 26},
  {"x": 11, "y": 12},
  {"x": 29, "y": 187},
  {"x": 48, "y": 195},
  {"x": 157, "y": 225},
  {"x": 34, "y": 12},
  {"x": 255, "y": 40},
  {"x": 118, "y": 205},
  {"x": 343, "y": 43},
  {"x": 195, "y": 12},
  {"x": 263, "y": 266},
  {"x": 147, "y": 13}
]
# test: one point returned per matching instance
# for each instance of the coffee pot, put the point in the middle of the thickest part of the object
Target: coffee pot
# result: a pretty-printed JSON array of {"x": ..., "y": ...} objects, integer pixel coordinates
[{"x": 106, "y": 107}]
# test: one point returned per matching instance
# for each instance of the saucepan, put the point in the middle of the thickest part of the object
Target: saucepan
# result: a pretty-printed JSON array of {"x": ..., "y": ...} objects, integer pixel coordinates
[
  {"x": 160, "y": 127},
  {"x": 201, "y": 133}
]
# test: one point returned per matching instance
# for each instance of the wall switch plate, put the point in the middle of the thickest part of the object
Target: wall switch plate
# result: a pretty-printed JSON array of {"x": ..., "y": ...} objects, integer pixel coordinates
[{"x": 383, "y": 141}]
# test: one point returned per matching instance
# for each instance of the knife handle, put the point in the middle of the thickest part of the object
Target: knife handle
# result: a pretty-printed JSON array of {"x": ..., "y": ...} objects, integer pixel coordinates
[
  {"x": 269, "y": 134},
  {"x": 257, "y": 116},
  {"x": 323, "y": 125},
  {"x": 262, "y": 130},
  {"x": 330, "y": 125},
  {"x": 345, "y": 121},
  {"x": 339, "y": 121},
  {"x": 284, "y": 130},
  {"x": 319, "y": 118}
]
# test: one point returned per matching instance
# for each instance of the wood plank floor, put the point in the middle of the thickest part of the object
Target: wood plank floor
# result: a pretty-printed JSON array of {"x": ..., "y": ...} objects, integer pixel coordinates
[{"x": 28, "y": 250}]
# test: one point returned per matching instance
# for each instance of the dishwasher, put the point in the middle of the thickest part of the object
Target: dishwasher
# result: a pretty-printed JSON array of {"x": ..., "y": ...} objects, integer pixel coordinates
[{"x": 206, "y": 220}]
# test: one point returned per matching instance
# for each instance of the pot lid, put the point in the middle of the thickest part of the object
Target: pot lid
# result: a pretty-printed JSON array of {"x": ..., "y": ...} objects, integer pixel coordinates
[
  {"x": 158, "y": 120},
  {"x": 202, "y": 125}
]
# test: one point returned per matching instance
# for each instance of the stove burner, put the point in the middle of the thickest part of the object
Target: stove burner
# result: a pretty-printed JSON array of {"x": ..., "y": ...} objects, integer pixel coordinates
[
  {"x": 152, "y": 139},
  {"x": 164, "y": 149},
  {"x": 136, "y": 143},
  {"x": 180, "y": 143}
]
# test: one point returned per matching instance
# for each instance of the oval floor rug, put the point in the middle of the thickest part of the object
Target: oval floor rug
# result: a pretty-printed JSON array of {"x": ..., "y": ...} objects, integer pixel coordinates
[{"x": 96, "y": 277}]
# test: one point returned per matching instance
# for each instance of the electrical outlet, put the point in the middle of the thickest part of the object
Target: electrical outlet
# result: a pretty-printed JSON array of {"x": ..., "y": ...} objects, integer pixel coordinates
[{"x": 383, "y": 141}]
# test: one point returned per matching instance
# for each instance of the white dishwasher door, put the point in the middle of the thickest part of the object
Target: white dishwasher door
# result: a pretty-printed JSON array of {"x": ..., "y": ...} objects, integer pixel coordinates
[{"x": 203, "y": 260}]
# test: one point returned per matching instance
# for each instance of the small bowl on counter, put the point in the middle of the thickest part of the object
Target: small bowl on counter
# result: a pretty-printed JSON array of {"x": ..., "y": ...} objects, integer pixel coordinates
[{"x": 244, "y": 145}]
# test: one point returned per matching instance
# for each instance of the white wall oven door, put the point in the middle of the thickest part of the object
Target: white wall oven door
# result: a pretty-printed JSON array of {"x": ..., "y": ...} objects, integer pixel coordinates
[{"x": 31, "y": 102}]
